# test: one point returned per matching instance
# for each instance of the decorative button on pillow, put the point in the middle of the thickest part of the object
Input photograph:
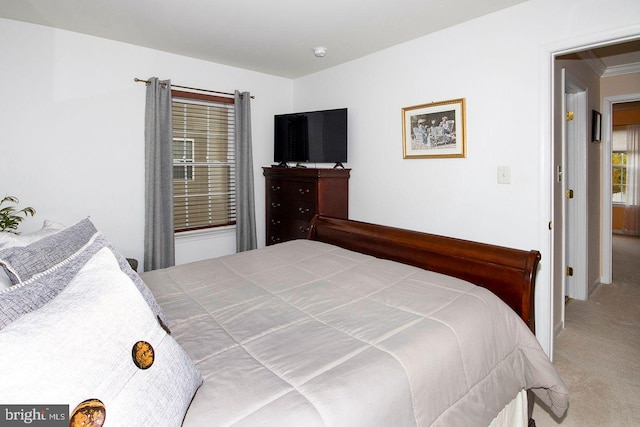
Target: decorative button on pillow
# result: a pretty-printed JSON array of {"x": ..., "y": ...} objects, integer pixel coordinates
[
  {"x": 90, "y": 413},
  {"x": 49, "y": 356},
  {"x": 142, "y": 354}
]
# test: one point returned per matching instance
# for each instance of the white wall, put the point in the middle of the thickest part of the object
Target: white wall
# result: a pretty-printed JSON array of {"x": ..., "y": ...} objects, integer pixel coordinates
[
  {"x": 621, "y": 84},
  {"x": 73, "y": 120},
  {"x": 72, "y": 129},
  {"x": 501, "y": 65}
]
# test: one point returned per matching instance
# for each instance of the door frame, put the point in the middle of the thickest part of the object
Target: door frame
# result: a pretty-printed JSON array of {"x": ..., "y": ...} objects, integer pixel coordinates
[{"x": 606, "y": 227}]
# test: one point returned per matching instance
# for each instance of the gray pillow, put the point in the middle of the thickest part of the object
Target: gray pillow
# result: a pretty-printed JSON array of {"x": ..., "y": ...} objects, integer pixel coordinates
[
  {"x": 5, "y": 282},
  {"x": 8, "y": 240},
  {"x": 42, "y": 269},
  {"x": 23, "y": 263}
]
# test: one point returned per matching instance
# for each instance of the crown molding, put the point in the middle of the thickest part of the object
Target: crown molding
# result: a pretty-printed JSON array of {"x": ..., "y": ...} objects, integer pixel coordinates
[
  {"x": 593, "y": 61},
  {"x": 622, "y": 69},
  {"x": 601, "y": 69}
]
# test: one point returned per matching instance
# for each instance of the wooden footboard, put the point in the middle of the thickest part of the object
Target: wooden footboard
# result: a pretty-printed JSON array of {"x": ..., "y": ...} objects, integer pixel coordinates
[{"x": 508, "y": 273}]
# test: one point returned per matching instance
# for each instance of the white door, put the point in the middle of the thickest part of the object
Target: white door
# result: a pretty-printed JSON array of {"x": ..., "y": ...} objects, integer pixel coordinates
[
  {"x": 575, "y": 190},
  {"x": 569, "y": 196}
]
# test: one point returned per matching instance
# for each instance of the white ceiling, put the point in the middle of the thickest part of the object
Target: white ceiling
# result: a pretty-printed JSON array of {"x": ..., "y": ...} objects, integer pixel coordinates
[
  {"x": 277, "y": 36},
  {"x": 271, "y": 36}
]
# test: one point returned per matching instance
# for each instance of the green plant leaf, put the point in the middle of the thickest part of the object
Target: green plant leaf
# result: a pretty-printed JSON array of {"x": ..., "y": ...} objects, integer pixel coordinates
[{"x": 10, "y": 218}]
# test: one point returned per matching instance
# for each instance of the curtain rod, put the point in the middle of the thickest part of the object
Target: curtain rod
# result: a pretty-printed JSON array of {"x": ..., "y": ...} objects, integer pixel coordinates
[{"x": 137, "y": 80}]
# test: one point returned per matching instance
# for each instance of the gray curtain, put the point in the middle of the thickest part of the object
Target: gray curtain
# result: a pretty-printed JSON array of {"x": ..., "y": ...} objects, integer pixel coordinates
[
  {"x": 245, "y": 202},
  {"x": 159, "y": 249}
]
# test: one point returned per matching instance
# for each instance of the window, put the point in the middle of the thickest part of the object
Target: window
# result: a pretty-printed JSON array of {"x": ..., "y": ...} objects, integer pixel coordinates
[
  {"x": 182, "y": 155},
  {"x": 203, "y": 161},
  {"x": 619, "y": 165}
]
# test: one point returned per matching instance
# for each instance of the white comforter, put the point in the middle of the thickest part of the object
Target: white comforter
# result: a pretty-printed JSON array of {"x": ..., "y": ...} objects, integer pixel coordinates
[{"x": 304, "y": 333}]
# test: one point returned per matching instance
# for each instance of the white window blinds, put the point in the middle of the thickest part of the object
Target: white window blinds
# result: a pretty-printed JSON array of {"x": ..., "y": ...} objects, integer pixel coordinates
[{"x": 203, "y": 161}]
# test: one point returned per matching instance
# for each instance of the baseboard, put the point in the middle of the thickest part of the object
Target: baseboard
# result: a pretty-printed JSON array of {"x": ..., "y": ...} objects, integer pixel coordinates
[
  {"x": 601, "y": 281},
  {"x": 593, "y": 286},
  {"x": 557, "y": 328}
]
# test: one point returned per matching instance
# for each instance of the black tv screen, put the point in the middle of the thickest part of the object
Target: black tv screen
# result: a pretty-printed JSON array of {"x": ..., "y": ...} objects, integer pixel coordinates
[{"x": 314, "y": 137}]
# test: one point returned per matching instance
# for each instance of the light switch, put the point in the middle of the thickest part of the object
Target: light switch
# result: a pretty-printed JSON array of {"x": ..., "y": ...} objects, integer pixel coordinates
[{"x": 504, "y": 175}]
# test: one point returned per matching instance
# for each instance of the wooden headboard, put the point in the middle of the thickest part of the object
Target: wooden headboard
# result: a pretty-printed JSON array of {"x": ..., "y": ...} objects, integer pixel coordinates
[{"x": 508, "y": 273}]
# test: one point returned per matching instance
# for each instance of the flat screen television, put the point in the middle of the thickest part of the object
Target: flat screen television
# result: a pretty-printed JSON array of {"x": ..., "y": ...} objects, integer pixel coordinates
[{"x": 311, "y": 137}]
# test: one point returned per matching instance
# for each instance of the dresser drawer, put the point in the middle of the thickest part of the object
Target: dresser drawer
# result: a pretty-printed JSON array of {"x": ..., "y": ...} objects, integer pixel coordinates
[
  {"x": 301, "y": 210},
  {"x": 277, "y": 225},
  {"x": 279, "y": 231},
  {"x": 278, "y": 190},
  {"x": 273, "y": 238},
  {"x": 304, "y": 191},
  {"x": 294, "y": 209},
  {"x": 299, "y": 229},
  {"x": 276, "y": 222}
]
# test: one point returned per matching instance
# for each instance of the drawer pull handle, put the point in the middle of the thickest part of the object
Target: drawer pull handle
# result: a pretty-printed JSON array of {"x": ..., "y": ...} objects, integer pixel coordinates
[
  {"x": 303, "y": 229},
  {"x": 275, "y": 187},
  {"x": 275, "y": 222},
  {"x": 303, "y": 190},
  {"x": 275, "y": 205},
  {"x": 303, "y": 210}
]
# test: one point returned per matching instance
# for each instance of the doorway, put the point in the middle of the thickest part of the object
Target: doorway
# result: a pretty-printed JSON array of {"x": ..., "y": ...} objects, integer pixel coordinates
[
  {"x": 607, "y": 235},
  {"x": 598, "y": 236}
]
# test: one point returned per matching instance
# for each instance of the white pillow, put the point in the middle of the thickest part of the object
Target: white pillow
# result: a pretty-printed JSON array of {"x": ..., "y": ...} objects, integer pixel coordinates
[
  {"x": 8, "y": 240},
  {"x": 79, "y": 346}
]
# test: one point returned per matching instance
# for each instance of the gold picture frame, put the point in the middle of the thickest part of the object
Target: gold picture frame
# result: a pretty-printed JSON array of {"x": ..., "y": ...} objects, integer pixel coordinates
[{"x": 435, "y": 130}]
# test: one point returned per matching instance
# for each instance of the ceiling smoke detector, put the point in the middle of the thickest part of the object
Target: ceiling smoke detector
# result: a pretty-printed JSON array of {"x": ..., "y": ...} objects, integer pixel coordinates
[{"x": 319, "y": 51}]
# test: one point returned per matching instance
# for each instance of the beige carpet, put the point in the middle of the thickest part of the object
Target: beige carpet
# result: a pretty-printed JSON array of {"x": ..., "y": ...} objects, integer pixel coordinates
[{"x": 598, "y": 352}]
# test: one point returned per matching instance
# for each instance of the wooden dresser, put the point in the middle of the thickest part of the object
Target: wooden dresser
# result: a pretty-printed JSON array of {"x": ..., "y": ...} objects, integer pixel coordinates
[{"x": 295, "y": 195}]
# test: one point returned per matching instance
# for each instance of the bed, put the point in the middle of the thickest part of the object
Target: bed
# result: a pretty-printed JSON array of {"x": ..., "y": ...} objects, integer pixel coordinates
[{"x": 360, "y": 324}]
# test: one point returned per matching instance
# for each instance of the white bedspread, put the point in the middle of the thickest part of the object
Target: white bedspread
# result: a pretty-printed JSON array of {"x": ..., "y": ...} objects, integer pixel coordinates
[{"x": 304, "y": 333}]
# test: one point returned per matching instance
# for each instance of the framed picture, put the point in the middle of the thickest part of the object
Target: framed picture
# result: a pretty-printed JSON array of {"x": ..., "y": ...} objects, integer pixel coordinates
[
  {"x": 435, "y": 130},
  {"x": 596, "y": 126}
]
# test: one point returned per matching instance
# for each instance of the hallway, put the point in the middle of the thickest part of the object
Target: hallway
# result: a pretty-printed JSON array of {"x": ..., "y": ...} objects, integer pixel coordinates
[{"x": 598, "y": 352}]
